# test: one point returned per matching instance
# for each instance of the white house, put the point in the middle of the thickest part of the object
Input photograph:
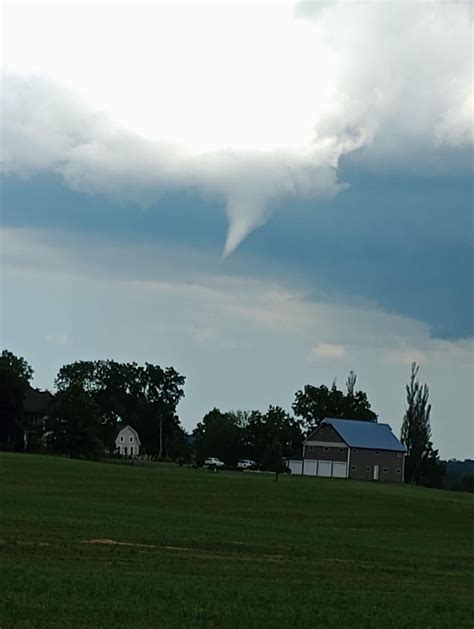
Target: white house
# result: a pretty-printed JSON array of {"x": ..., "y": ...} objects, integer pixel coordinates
[{"x": 127, "y": 442}]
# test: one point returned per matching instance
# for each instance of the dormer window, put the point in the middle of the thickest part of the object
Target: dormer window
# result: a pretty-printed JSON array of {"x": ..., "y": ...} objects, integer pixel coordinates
[
  {"x": 121, "y": 438},
  {"x": 131, "y": 439}
]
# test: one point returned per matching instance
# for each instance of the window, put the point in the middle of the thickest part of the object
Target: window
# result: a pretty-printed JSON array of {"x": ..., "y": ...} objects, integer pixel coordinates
[
  {"x": 354, "y": 449},
  {"x": 341, "y": 449},
  {"x": 131, "y": 449},
  {"x": 385, "y": 469},
  {"x": 367, "y": 469},
  {"x": 353, "y": 467},
  {"x": 398, "y": 470},
  {"x": 131, "y": 439},
  {"x": 326, "y": 449},
  {"x": 121, "y": 438},
  {"x": 321, "y": 430},
  {"x": 377, "y": 452},
  {"x": 399, "y": 454},
  {"x": 310, "y": 448}
]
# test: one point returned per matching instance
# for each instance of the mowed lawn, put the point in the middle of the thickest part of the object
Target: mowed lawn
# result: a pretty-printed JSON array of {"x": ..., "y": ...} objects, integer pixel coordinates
[{"x": 199, "y": 549}]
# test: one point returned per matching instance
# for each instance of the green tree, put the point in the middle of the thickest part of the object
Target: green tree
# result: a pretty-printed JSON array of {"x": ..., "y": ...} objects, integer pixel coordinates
[
  {"x": 422, "y": 465},
  {"x": 16, "y": 365},
  {"x": 467, "y": 483},
  {"x": 261, "y": 429},
  {"x": 74, "y": 424},
  {"x": 273, "y": 458},
  {"x": 313, "y": 404},
  {"x": 145, "y": 397},
  {"x": 15, "y": 375},
  {"x": 219, "y": 434},
  {"x": 12, "y": 393}
]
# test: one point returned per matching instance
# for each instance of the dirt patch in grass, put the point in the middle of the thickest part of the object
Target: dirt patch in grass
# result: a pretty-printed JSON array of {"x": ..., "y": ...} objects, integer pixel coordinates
[
  {"x": 113, "y": 542},
  {"x": 198, "y": 552}
]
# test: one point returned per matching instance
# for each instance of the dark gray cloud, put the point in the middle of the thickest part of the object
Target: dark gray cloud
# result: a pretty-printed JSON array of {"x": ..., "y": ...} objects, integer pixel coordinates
[{"x": 401, "y": 243}]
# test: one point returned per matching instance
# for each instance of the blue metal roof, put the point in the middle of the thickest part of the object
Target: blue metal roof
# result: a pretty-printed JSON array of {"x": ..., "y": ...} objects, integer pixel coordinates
[{"x": 360, "y": 434}]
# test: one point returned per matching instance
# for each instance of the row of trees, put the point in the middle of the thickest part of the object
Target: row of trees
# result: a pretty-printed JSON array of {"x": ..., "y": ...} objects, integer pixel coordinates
[
  {"x": 94, "y": 397},
  {"x": 249, "y": 434}
]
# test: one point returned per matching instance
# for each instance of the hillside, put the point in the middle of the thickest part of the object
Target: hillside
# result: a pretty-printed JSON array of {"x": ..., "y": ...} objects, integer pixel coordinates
[{"x": 226, "y": 550}]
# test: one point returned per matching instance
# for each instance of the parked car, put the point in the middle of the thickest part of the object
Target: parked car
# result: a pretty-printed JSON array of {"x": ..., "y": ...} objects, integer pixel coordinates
[
  {"x": 213, "y": 461},
  {"x": 246, "y": 464}
]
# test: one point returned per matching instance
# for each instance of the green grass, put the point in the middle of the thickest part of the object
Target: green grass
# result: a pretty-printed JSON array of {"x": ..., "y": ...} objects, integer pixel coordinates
[{"x": 227, "y": 549}]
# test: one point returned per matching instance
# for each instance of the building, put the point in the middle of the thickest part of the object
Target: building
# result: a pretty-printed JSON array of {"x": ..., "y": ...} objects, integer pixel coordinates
[
  {"x": 36, "y": 405},
  {"x": 127, "y": 442},
  {"x": 345, "y": 448}
]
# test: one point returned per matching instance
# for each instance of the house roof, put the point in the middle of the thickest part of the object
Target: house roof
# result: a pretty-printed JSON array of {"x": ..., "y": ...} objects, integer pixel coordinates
[
  {"x": 360, "y": 434},
  {"x": 36, "y": 401},
  {"x": 130, "y": 428}
]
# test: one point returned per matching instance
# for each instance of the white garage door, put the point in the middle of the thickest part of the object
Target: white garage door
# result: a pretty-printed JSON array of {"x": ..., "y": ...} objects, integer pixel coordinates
[
  {"x": 310, "y": 468},
  {"x": 339, "y": 470},
  {"x": 295, "y": 466},
  {"x": 324, "y": 468}
]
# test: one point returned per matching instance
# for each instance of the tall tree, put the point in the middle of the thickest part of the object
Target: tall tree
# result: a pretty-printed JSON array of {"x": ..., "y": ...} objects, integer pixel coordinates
[
  {"x": 15, "y": 375},
  {"x": 219, "y": 434},
  {"x": 273, "y": 458},
  {"x": 422, "y": 464},
  {"x": 261, "y": 429},
  {"x": 12, "y": 393},
  {"x": 314, "y": 404},
  {"x": 74, "y": 424}
]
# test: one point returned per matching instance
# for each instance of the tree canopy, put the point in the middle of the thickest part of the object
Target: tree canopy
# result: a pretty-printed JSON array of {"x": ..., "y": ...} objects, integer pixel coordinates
[
  {"x": 16, "y": 365},
  {"x": 313, "y": 404},
  {"x": 74, "y": 424},
  {"x": 233, "y": 435},
  {"x": 218, "y": 434},
  {"x": 144, "y": 396},
  {"x": 261, "y": 429},
  {"x": 15, "y": 375}
]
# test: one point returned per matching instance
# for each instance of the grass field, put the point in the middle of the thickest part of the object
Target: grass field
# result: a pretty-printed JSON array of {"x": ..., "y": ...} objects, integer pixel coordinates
[{"x": 227, "y": 550}]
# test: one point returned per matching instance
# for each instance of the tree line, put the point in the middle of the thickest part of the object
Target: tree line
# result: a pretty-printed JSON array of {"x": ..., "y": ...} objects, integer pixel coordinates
[{"x": 94, "y": 399}]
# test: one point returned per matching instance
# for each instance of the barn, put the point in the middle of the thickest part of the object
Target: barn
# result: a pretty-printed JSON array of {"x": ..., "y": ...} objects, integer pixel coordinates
[
  {"x": 346, "y": 448},
  {"x": 127, "y": 442}
]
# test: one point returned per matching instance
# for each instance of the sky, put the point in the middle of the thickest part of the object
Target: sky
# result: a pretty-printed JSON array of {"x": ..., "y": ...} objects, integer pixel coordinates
[{"x": 262, "y": 195}]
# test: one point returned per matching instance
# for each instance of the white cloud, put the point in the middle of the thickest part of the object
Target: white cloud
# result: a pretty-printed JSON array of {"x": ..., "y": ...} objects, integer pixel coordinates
[
  {"x": 250, "y": 102},
  {"x": 425, "y": 351},
  {"x": 327, "y": 351},
  {"x": 57, "y": 339}
]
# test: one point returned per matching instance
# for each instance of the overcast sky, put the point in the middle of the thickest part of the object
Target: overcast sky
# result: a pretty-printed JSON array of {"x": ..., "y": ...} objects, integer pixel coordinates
[{"x": 261, "y": 195}]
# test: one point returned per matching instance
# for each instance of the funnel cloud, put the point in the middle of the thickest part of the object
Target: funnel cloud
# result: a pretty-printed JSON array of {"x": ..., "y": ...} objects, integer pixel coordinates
[{"x": 237, "y": 114}]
